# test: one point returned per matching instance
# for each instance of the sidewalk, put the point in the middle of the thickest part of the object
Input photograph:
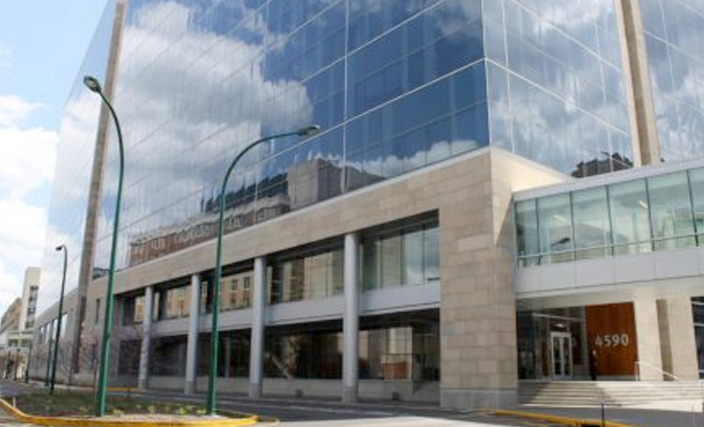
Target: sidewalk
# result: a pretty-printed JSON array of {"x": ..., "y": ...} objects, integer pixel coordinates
[{"x": 679, "y": 413}]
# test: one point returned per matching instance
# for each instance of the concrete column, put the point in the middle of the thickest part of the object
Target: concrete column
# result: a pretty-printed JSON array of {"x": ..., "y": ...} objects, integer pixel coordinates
[
  {"x": 677, "y": 342},
  {"x": 350, "y": 322},
  {"x": 146, "y": 337},
  {"x": 645, "y": 313},
  {"x": 192, "y": 344},
  {"x": 256, "y": 346}
]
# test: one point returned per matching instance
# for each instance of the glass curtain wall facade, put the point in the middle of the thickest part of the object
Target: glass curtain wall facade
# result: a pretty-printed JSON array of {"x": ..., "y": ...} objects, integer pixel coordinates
[
  {"x": 673, "y": 33},
  {"x": 74, "y": 163},
  {"x": 651, "y": 214},
  {"x": 395, "y": 85},
  {"x": 555, "y": 80},
  {"x": 199, "y": 80}
]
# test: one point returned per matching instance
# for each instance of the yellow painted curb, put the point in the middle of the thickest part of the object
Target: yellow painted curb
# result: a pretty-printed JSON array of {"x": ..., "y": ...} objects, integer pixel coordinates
[
  {"x": 567, "y": 421},
  {"x": 97, "y": 422}
]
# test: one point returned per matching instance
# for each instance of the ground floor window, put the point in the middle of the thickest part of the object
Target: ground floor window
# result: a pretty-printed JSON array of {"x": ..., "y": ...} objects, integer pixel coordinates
[
  {"x": 399, "y": 346},
  {"x": 698, "y": 315},
  {"x": 233, "y": 356},
  {"x": 577, "y": 343},
  {"x": 312, "y": 351},
  {"x": 168, "y": 356},
  {"x": 128, "y": 357}
]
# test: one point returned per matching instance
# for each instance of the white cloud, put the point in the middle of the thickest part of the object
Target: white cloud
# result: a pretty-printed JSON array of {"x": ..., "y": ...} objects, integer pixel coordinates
[
  {"x": 220, "y": 109},
  {"x": 14, "y": 108},
  {"x": 22, "y": 229},
  {"x": 10, "y": 287},
  {"x": 27, "y": 157}
]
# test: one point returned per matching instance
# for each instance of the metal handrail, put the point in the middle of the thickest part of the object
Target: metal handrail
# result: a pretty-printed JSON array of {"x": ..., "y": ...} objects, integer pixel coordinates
[
  {"x": 609, "y": 247},
  {"x": 639, "y": 363}
]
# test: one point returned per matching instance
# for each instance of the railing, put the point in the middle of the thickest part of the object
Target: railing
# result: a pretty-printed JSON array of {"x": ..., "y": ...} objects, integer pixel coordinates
[
  {"x": 639, "y": 364},
  {"x": 610, "y": 249}
]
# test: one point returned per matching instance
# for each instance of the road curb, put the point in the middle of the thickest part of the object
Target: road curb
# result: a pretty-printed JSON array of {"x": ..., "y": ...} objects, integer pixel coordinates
[
  {"x": 557, "y": 419},
  {"x": 96, "y": 422}
]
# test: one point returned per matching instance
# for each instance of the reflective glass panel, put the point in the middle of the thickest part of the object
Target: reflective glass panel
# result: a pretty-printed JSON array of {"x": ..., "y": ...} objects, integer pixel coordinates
[
  {"x": 527, "y": 232},
  {"x": 629, "y": 217},
  {"x": 592, "y": 228},
  {"x": 696, "y": 179},
  {"x": 555, "y": 230},
  {"x": 671, "y": 211}
]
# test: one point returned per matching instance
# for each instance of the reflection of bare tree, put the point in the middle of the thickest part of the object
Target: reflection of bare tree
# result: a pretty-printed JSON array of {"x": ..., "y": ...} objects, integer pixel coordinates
[
  {"x": 63, "y": 362},
  {"x": 89, "y": 356}
]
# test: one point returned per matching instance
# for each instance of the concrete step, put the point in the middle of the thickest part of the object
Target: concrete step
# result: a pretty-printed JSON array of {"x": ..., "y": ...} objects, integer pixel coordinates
[{"x": 612, "y": 392}]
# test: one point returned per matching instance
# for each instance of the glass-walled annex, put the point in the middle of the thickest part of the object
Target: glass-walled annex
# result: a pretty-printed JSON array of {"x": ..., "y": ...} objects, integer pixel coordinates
[
  {"x": 594, "y": 342},
  {"x": 642, "y": 215}
]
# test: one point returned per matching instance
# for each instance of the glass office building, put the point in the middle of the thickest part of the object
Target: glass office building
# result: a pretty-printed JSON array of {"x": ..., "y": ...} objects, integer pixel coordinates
[
  {"x": 395, "y": 86},
  {"x": 74, "y": 165},
  {"x": 456, "y": 105},
  {"x": 672, "y": 33}
]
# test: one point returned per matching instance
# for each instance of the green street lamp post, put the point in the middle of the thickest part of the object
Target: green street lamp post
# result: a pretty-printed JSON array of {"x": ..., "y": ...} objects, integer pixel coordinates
[
  {"x": 305, "y": 131},
  {"x": 57, "y": 334},
  {"x": 94, "y": 85}
]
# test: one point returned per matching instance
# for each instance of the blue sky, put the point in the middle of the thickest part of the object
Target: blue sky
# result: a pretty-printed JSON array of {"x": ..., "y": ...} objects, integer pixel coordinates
[{"x": 42, "y": 44}]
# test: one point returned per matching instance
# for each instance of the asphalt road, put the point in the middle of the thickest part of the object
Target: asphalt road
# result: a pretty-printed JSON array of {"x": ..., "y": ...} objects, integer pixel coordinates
[{"x": 319, "y": 412}]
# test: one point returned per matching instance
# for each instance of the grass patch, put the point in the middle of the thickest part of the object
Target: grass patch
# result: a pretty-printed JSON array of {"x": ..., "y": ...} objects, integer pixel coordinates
[{"x": 63, "y": 404}]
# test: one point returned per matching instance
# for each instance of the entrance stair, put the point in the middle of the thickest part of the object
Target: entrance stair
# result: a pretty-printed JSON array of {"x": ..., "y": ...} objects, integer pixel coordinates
[{"x": 613, "y": 393}]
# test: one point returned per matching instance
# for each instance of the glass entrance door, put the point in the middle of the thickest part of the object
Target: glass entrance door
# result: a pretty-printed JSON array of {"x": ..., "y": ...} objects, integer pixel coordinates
[{"x": 561, "y": 355}]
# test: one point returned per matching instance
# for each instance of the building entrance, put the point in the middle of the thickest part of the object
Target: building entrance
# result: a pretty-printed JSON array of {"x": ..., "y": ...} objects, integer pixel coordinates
[
  {"x": 561, "y": 355},
  {"x": 594, "y": 342}
]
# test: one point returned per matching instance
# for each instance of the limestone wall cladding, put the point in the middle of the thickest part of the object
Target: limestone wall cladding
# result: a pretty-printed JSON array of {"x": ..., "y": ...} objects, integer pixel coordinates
[
  {"x": 677, "y": 342},
  {"x": 472, "y": 196}
]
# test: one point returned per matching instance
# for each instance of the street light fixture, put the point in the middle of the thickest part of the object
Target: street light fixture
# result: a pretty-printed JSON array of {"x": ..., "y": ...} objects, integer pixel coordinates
[
  {"x": 94, "y": 85},
  {"x": 59, "y": 316},
  {"x": 304, "y": 131}
]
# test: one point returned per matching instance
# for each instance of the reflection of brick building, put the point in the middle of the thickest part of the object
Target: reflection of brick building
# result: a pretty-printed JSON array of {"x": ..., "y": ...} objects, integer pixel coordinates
[
  {"x": 313, "y": 181},
  {"x": 153, "y": 244},
  {"x": 303, "y": 185},
  {"x": 612, "y": 162}
]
